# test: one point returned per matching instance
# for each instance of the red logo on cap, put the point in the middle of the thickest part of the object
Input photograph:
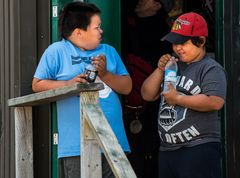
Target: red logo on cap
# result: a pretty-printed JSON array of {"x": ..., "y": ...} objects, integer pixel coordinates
[
  {"x": 178, "y": 24},
  {"x": 190, "y": 24}
]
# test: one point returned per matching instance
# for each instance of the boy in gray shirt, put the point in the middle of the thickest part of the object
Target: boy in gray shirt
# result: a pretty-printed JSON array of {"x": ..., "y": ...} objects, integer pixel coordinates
[{"x": 188, "y": 122}]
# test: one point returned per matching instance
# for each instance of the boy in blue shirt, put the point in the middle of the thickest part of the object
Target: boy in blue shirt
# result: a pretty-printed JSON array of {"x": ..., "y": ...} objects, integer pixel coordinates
[{"x": 63, "y": 63}]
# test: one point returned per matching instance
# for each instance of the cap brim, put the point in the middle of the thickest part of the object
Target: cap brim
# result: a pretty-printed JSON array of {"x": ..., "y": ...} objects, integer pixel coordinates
[{"x": 175, "y": 38}]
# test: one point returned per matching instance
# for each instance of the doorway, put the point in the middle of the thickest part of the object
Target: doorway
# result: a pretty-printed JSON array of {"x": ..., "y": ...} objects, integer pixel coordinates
[{"x": 141, "y": 47}]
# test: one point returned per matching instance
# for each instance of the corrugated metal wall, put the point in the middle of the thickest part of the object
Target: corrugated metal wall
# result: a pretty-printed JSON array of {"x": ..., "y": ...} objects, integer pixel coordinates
[
  {"x": 24, "y": 34},
  {"x": 9, "y": 83}
]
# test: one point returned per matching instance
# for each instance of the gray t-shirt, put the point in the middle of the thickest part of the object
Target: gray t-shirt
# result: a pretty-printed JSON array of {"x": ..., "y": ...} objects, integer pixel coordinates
[{"x": 179, "y": 126}]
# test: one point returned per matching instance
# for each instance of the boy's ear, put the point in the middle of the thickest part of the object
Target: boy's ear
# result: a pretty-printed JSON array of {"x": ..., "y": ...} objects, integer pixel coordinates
[
  {"x": 77, "y": 31},
  {"x": 202, "y": 40}
]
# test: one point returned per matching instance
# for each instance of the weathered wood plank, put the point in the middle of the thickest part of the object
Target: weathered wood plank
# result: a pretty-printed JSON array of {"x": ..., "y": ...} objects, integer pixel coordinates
[
  {"x": 23, "y": 142},
  {"x": 91, "y": 165},
  {"x": 54, "y": 94},
  {"x": 108, "y": 141}
]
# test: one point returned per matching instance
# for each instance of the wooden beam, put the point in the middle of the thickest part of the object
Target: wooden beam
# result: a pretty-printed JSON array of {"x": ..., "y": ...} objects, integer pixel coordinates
[
  {"x": 23, "y": 142},
  {"x": 108, "y": 141},
  {"x": 54, "y": 94}
]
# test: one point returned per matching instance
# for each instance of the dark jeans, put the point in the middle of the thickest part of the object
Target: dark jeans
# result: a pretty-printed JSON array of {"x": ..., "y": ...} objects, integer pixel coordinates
[
  {"x": 71, "y": 167},
  {"x": 202, "y": 161}
]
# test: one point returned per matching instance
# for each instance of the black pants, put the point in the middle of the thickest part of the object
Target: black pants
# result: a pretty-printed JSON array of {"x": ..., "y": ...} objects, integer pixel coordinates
[
  {"x": 71, "y": 167},
  {"x": 202, "y": 161}
]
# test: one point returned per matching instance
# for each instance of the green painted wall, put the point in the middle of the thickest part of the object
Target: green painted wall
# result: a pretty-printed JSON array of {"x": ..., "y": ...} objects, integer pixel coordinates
[{"x": 111, "y": 21}]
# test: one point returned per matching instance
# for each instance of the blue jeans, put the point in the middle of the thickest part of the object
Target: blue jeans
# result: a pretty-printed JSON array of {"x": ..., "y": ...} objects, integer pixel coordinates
[
  {"x": 201, "y": 161},
  {"x": 71, "y": 167}
]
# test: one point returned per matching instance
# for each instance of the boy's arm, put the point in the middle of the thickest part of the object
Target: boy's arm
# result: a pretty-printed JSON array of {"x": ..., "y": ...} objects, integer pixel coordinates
[
  {"x": 122, "y": 84},
  {"x": 42, "y": 85},
  {"x": 200, "y": 102},
  {"x": 151, "y": 87}
]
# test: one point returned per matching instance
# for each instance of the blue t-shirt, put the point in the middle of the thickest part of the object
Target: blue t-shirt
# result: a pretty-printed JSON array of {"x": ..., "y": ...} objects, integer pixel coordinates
[{"x": 63, "y": 61}]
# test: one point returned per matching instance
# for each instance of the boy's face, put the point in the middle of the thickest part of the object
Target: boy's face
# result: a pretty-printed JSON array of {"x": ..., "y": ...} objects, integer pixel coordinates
[
  {"x": 188, "y": 52},
  {"x": 91, "y": 38}
]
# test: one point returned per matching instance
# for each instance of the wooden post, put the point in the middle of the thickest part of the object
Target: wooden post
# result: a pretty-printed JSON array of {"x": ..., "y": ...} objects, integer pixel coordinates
[
  {"x": 91, "y": 165},
  {"x": 24, "y": 142}
]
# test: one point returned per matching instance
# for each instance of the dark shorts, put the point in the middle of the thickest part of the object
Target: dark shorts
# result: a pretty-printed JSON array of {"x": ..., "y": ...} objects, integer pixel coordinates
[
  {"x": 202, "y": 161},
  {"x": 71, "y": 167}
]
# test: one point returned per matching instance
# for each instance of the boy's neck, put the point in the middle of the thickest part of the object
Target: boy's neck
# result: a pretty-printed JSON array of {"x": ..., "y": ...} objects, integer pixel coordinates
[{"x": 200, "y": 57}]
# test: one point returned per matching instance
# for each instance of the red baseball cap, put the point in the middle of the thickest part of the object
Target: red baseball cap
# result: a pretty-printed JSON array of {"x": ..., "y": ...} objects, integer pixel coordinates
[{"x": 187, "y": 26}]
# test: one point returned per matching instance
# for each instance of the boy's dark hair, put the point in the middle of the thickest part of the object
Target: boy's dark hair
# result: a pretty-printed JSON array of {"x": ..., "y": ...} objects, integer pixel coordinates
[
  {"x": 75, "y": 15},
  {"x": 197, "y": 41}
]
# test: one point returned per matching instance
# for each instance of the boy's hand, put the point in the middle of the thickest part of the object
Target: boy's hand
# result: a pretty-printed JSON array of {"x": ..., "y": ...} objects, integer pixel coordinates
[
  {"x": 100, "y": 63},
  {"x": 163, "y": 61},
  {"x": 78, "y": 79},
  {"x": 171, "y": 96}
]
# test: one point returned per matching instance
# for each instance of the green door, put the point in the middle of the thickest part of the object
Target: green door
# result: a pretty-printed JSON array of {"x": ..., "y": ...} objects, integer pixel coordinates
[
  {"x": 56, "y": 6},
  {"x": 111, "y": 21}
]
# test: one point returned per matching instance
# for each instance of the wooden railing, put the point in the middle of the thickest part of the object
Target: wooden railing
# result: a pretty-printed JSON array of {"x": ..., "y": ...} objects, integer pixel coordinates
[{"x": 96, "y": 134}]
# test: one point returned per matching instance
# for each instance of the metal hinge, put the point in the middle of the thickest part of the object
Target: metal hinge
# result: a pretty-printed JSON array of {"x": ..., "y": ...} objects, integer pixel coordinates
[{"x": 55, "y": 138}]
